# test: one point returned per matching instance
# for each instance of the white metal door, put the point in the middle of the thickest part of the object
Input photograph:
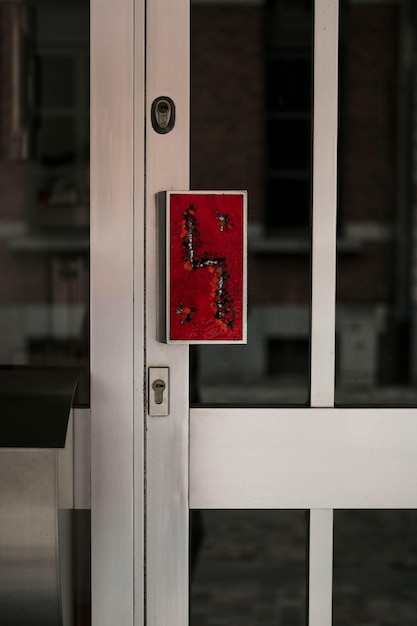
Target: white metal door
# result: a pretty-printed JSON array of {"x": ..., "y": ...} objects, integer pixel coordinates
[
  {"x": 319, "y": 458},
  {"x": 148, "y": 472},
  {"x": 117, "y": 348}
]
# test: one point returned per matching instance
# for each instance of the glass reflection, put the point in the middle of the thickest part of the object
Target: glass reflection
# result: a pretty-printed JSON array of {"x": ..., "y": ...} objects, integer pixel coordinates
[
  {"x": 251, "y": 129},
  {"x": 376, "y": 296},
  {"x": 375, "y": 567},
  {"x": 44, "y": 185},
  {"x": 249, "y": 567}
]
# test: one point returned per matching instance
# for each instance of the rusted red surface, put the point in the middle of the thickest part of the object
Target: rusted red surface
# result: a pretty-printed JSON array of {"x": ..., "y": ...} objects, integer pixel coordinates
[{"x": 206, "y": 267}]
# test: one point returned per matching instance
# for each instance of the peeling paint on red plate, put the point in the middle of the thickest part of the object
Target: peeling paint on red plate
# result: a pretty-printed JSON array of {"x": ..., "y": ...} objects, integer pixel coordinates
[{"x": 206, "y": 258}]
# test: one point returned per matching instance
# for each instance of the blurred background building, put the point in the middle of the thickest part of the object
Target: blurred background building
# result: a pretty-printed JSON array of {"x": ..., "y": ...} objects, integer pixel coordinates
[
  {"x": 44, "y": 183},
  {"x": 251, "y": 129},
  {"x": 252, "y": 124}
]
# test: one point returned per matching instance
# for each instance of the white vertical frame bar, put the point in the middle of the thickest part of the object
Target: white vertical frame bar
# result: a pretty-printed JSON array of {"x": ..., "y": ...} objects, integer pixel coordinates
[
  {"x": 139, "y": 312},
  {"x": 321, "y": 576},
  {"x": 112, "y": 313},
  {"x": 323, "y": 318},
  {"x": 167, "y": 168},
  {"x": 326, "y": 46}
]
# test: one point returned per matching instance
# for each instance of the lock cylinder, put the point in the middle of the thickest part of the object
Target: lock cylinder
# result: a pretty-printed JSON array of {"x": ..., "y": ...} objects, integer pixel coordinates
[
  {"x": 163, "y": 115},
  {"x": 158, "y": 391}
]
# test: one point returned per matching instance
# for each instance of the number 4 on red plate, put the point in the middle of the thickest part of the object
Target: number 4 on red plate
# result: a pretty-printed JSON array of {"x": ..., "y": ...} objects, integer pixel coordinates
[{"x": 204, "y": 236}]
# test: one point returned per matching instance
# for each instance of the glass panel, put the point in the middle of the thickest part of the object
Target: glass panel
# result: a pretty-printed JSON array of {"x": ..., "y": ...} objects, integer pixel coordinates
[
  {"x": 55, "y": 139},
  {"x": 291, "y": 94},
  {"x": 377, "y": 253},
  {"x": 82, "y": 567},
  {"x": 282, "y": 191},
  {"x": 248, "y": 567},
  {"x": 251, "y": 129},
  {"x": 57, "y": 81},
  {"x": 289, "y": 144},
  {"x": 375, "y": 568},
  {"x": 44, "y": 186}
]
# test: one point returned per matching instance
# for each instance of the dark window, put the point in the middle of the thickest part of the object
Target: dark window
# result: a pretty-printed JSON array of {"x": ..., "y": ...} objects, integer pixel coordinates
[{"x": 288, "y": 115}]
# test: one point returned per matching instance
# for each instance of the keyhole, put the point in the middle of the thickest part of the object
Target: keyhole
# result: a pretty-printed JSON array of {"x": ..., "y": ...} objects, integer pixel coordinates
[
  {"x": 163, "y": 115},
  {"x": 158, "y": 386}
]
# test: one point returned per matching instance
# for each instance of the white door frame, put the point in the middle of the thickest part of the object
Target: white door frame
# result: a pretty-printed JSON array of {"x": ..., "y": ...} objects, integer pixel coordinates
[
  {"x": 121, "y": 186},
  {"x": 117, "y": 311},
  {"x": 318, "y": 458},
  {"x": 167, "y": 168}
]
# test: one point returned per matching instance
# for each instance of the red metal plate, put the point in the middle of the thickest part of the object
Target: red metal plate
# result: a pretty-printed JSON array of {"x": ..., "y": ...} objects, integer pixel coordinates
[{"x": 206, "y": 288}]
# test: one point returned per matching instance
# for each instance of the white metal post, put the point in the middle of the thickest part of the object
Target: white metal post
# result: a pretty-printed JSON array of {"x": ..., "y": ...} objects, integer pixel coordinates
[
  {"x": 139, "y": 312},
  {"x": 116, "y": 403},
  {"x": 326, "y": 71},
  {"x": 167, "y": 168},
  {"x": 320, "y": 555},
  {"x": 326, "y": 29}
]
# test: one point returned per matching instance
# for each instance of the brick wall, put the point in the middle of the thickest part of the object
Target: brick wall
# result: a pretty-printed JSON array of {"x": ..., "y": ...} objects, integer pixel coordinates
[
  {"x": 227, "y": 132},
  {"x": 13, "y": 189},
  {"x": 12, "y": 80},
  {"x": 227, "y": 89},
  {"x": 368, "y": 147},
  {"x": 369, "y": 92},
  {"x": 228, "y": 146}
]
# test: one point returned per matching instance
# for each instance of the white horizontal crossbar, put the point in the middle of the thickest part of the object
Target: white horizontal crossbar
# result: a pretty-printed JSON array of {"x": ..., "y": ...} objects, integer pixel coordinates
[{"x": 303, "y": 458}]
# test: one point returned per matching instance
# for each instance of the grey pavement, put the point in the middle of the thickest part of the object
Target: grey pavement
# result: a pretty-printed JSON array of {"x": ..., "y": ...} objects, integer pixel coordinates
[{"x": 251, "y": 569}]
